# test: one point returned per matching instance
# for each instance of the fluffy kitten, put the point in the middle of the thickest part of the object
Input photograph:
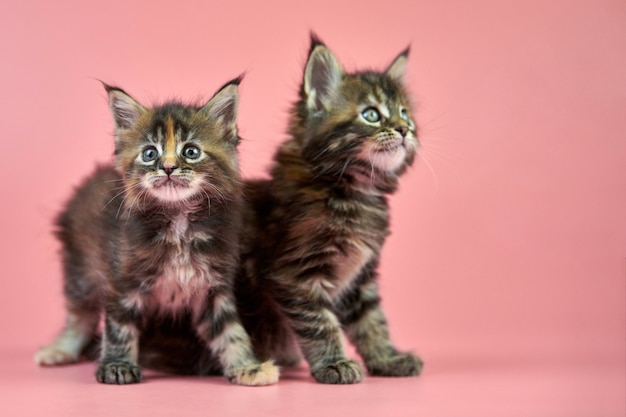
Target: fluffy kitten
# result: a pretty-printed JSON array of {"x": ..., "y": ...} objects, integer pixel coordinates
[
  {"x": 152, "y": 242},
  {"x": 314, "y": 232}
]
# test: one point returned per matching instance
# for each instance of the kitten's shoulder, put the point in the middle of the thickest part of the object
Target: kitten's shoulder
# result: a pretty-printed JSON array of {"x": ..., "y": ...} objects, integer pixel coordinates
[
  {"x": 95, "y": 194},
  {"x": 104, "y": 173},
  {"x": 101, "y": 181}
]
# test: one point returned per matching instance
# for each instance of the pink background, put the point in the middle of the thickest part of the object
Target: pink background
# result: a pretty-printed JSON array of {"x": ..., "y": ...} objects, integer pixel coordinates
[{"x": 506, "y": 268}]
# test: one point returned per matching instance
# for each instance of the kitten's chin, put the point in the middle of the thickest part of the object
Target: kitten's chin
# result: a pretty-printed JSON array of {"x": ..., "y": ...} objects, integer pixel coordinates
[
  {"x": 171, "y": 190},
  {"x": 386, "y": 157},
  {"x": 173, "y": 194}
]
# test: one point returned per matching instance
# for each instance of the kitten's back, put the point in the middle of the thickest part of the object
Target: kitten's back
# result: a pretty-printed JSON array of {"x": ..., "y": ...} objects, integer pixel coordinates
[{"x": 86, "y": 228}]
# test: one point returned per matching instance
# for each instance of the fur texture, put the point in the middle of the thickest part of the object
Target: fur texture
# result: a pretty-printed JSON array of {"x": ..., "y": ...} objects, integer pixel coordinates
[
  {"x": 315, "y": 230},
  {"x": 152, "y": 242}
]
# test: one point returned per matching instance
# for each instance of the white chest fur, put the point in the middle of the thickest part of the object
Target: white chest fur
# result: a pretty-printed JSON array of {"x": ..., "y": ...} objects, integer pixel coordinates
[
  {"x": 184, "y": 279},
  {"x": 186, "y": 276},
  {"x": 348, "y": 266}
]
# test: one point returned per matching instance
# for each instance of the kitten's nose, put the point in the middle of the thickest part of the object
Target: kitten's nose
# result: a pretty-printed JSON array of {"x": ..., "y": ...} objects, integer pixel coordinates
[
  {"x": 168, "y": 167},
  {"x": 169, "y": 170},
  {"x": 402, "y": 130}
]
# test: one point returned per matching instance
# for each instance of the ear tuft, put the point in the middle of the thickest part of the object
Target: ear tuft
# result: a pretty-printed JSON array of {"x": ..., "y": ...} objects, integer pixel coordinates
[
  {"x": 397, "y": 69},
  {"x": 315, "y": 41},
  {"x": 124, "y": 108},
  {"x": 223, "y": 106},
  {"x": 322, "y": 76}
]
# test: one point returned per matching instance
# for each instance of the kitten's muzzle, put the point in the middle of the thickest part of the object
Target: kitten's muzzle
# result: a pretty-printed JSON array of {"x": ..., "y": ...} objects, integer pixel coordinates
[
  {"x": 168, "y": 167},
  {"x": 390, "y": 142},
  {"x": 402, "y": 130},
  {"x": 170, "y": 180},
  {"x": 169, "y": 171}
]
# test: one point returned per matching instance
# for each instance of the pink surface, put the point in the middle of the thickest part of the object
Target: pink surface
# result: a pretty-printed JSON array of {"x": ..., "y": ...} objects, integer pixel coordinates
[{"x": 506, "y": 269}]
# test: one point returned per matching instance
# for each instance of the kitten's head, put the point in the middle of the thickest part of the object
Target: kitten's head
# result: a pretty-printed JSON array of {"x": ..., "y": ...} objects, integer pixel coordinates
[
  {"x": 176, "y": 153},
  {"x": 355, "y": 125}
]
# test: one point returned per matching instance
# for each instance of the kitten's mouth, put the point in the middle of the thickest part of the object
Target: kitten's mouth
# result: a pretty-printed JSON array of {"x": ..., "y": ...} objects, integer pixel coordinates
[
  {"x": 172, "y": 189},
  {"x": 170, "y": 181},
  {"x": 386, "y": 154},
  {"x": 390, "y": 145}
]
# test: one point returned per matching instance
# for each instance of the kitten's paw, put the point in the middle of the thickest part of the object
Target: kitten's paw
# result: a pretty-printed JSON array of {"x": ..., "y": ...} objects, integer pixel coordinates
[
  {"x": 344, "y": 371},
  {"x": 265, "y": 373},
  {"x": 52, "y": 355},
  {"x": 118, "y": 372},
  {"x": 402, "y": 364}
]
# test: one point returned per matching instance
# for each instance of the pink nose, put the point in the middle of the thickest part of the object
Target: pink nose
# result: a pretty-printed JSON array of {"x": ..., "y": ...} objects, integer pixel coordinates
[
  {"x": 168, "y": 167},
  {"x": 403, "y": 130}
]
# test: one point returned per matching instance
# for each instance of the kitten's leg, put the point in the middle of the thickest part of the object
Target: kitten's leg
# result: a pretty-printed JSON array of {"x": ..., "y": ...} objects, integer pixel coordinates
[
  {"x": 271, "y": 335},
  {"x": 367, "y": 328},
  {"x": 67, "y": 347},
  {"x": 219, "y": 326},
  {"x": 118, "y": 359},
  {"x": 319, "y": 333},
  {"x": 82, "y": 302},
  {"x": 285, "y": 349}
]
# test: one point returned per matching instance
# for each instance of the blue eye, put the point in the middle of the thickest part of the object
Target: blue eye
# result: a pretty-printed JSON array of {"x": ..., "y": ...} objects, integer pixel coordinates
[
  {"x": 371, "y": 114},
  {"x": 191, "y": 152},
  {"x": 404, "y": 115},
  {"x": 149, "y": 154}
]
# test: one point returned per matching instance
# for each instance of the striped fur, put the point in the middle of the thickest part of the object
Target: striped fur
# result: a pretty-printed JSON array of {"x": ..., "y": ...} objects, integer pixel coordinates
[
  {"x": 152, "y": 242},
  {"x": 315, "y": 230}
]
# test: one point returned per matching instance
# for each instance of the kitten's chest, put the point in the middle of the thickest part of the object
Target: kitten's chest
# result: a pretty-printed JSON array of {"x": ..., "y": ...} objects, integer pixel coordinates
[
  {"x": 167, "y": 296},
  {"x": 183, "y": 282},
  {"x": 359, "y": 232},
  {"x": 185, "y": 275},
  {"x": 348, "y": 263}
]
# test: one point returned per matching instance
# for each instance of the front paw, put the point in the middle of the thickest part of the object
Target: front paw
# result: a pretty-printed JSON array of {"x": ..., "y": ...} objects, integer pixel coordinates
[
  {"x": 401, "y": 364},
  {"x": 265, "y": 373},
  {"x": 55, "y": 355},
  {"x": 344, "y": 371},
  {"x": 118, "y": 372}
]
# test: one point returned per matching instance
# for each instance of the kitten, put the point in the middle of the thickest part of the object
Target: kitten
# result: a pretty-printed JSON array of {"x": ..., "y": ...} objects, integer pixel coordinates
[
  {"x": 314, "y": 232},
  {"x": 152, "y": 242}
]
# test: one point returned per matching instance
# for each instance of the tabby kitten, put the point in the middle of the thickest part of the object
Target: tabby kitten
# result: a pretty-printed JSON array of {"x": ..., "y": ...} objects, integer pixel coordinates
[
  {"x": 316, "y": 229},
  {"x": 152, "y": 242}
]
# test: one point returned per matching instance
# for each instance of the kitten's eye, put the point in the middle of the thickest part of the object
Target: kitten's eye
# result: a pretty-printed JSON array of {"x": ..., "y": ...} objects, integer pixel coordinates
[
  {"x": 404, "y": 115},
  {"x": 149, "y": 154},
  {"x": 371, "y": 115},
  {"x": 191, "y": 152}
]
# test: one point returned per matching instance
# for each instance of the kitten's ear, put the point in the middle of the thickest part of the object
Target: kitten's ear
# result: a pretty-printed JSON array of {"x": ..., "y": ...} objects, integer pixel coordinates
[
  {"x": 397, "y": 69},
  {"x": 322, "y": 76},
  {"x": 223, "y": 107},
  {"x": 124, "y": 108}
]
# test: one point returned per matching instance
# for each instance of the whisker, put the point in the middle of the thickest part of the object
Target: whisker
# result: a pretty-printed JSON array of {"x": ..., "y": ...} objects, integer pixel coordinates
[
  {"x": 434, "y": 145},
  {"x": 377, "y": 154},
  {"x": 208, "y": 197},
  {"x": 428, "y": 123},
  {"x": 111, "y": 200},
  {"x": 344, "y": 168},
  {"x": 122, "y": 204},
  {"x": 369, "y": 152},
  {"x": 219, "y": 193},
  {"x": 320, "y": 153},
  {"x": 445, "y": 157},
  {"x": 115, "y": 180},
  {"x": 134, "y": 185},
  {"x": 135, "y": 202},
  {"x": 430, "y": 168}
]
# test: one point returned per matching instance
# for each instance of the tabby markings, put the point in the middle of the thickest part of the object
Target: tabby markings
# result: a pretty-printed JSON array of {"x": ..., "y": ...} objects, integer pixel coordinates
[
  {"x": 169, "y": 153},
  {"x": 348, "y": 266}
]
